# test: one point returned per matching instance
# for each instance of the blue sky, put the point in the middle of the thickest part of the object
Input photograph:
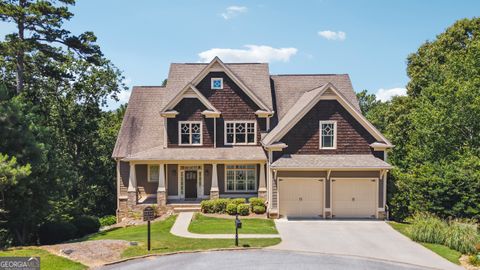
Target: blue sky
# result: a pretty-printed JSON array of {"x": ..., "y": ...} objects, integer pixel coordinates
[{"x": 370, "y": 40}]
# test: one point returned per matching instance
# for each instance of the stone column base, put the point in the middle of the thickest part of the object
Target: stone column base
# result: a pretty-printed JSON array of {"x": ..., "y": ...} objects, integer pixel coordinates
[
  {"x": 273, "y": 213},
  {"x": 262, "y": 193},
  {"x": 382, "y": 215},
  {"x": 214, "y": 194},
  {"x": 161, "y": 198},
  {"x": 328, "y": 214},
  {"x": 132, "y": 199}
]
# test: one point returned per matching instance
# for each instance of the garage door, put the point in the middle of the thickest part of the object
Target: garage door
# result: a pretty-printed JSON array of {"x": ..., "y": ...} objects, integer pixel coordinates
[
  {"x": 301, "y": 198},
  {"x": 354, "y": 198}
]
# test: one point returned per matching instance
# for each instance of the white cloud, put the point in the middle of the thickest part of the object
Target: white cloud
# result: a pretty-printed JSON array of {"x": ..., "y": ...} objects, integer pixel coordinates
[
  {"x": 233, "y": 11},
  {"x": 388, "y": 94},
  {"x": 332, "y": 35},
  {"x": 252, "y": 53}
]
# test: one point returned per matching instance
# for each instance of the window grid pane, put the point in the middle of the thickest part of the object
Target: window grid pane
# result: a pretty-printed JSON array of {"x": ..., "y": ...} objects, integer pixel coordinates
[
  {"x": 328, "y": 133},
  {"x": 241, "y": 177}
]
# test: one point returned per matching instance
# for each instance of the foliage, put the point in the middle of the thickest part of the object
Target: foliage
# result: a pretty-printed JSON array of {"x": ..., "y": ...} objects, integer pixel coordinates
[
  {"x": 238, "y": 201},
  {"x": 428, "y": 228},
  {"x": 108, "y": 220},
  {"x": 258, "y": 209},
  {"x": 243, "y": 209},
  {"x": 256, "y": 202},
  {"x": 56, "y": 232},
  {"x": 207, "y": 206},
  {"x": 462, "y": 236},
  {"x": 212, "y": 225},
  {"x": 231, "y": 209},
  {"x": 86, "y": 225},
  {"x": 220, "y": 205},
  {"x": 474, "y": 259},
  {"x": 367, "y": 101}
]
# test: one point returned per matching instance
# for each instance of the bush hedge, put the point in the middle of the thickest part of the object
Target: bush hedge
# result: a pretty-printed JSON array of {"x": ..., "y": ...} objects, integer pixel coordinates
[
  {"x": 207, "y": 206},
  {"x": 108, "y": 220},
  {"x": 56, "y": 232},
  {"x": 86, "y": 225},
  {"x": 220, "y": 205},
  {"x": 243, "y": 209},
  {"x": 258, "y": 209},
  {"x": 231, "y": 209},
  {"x": 256, "y": 202},
  {"x": 238, "y": 201}
]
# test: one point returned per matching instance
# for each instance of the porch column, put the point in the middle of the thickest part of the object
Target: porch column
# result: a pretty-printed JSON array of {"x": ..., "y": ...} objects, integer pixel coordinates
[
  {"x": 132, "y": 186},
  {"x": 262, "y": 185},
  {"x": 214, "y": 191},
  {"x": 161, "y": 191}
]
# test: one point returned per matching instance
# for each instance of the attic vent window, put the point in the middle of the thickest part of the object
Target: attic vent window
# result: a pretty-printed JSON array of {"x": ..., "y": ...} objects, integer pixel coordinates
[{"x": 217, "y": 83}]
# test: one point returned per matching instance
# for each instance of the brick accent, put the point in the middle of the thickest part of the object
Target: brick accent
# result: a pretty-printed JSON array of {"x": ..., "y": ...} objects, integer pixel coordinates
[{"x": 352, "y": 137}]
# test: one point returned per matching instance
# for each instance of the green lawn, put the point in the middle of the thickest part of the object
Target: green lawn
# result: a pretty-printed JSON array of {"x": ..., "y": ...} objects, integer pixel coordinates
[
  {"x": 211, "y": 225},
  {"x": 163, "y": 241},
  {"x": 444, "y": 251},
  {"x": 48, "y": 261}
]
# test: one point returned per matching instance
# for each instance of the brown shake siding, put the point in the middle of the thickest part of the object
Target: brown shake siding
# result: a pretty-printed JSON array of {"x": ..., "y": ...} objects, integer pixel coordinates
[
  {"x": 142, "y": 183},
  {"x": 379, "y": 154},
  {"x": 207, "y": 179},
  {"x": 232, "y": 102},
  {"x": 172, "y": 180},
  {"x": 352, "y": 138},
  {"x": 190, "y": 109},
  {"x": 124, "y": 174}
]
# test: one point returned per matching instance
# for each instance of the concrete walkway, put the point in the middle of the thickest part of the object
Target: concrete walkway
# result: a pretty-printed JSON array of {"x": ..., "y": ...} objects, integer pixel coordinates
[{"x": 180, "y": 228}]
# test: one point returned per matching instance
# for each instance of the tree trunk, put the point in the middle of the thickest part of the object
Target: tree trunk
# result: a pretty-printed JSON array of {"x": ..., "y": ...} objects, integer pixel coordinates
[{"x": 20, "y": 50}]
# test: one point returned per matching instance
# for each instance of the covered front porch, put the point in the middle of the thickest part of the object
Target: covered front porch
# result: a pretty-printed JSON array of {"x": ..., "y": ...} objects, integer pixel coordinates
[{"x": 186, "y": 177}]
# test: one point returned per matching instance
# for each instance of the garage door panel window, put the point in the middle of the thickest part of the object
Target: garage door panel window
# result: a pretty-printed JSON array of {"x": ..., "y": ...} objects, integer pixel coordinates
[
  {"x": 241, "y": 178},
  {"x": 328, "y": 134}
]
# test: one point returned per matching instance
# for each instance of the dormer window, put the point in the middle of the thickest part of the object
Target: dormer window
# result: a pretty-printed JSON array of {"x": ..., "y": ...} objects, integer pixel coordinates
[
  {"x": 190, "y": 133},
  {"x": 328, "y": 134},
  {"x": 217, "y": 83}
]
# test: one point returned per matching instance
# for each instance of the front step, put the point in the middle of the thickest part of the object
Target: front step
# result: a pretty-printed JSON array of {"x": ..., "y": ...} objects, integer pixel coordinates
[{"x": 186, "y": 207}]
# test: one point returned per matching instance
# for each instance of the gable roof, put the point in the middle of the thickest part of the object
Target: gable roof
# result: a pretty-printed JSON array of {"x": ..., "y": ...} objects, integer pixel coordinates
[
  {"x": 189, "y": 88},
  {"x": 289, "y": 88},
  {"x": 142, "y": 125},
  {"x": 330, "y": 162},
  {"x": 252, "y": 78},
  {"x": 306, "y": 102}
]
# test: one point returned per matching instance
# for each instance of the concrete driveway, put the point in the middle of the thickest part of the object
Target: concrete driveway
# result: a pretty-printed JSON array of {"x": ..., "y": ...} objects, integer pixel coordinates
[{"x": 363, "y": 238}]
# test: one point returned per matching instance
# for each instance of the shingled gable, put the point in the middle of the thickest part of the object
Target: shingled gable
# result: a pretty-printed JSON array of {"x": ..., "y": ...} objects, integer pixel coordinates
[
  {"x": 216, "y": 65},
  {"x": 190, "y": 91},
  {"x": 306, "y": 102}
]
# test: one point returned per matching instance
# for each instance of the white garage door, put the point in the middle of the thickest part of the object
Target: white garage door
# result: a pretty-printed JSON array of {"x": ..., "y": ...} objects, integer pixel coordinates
[
  {"x": 302, "y": 198},
  {"x": 355, "y": 198}
]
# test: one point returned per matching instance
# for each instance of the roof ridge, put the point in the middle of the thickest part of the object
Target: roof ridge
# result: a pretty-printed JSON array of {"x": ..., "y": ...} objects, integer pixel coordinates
[
  {"x": 311, "y": 74},
  {"x": 241, "y": 63}
]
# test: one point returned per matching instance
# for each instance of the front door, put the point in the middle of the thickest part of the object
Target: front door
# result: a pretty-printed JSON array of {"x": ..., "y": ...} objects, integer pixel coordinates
[{"x": 190, "y": 184}]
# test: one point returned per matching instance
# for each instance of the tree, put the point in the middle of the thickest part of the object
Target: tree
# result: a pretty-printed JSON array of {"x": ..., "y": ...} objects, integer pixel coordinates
[
  {"x": 39, "y": 25},
  {"x": 367, "y": 101}
]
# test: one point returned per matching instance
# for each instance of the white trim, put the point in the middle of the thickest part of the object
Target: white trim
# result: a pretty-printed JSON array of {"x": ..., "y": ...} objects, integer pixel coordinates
[
  {"x": 376, "y": 179},
  {"x": 321, "y": 122},
  {"x": 200, "y": 182},
  {"x": 216, "y": 88},
  {"x": 190, "y": 124},
  {"x": 255, "y": 189},
  {"x": 235, "y": 131},
  {"x": 148, "y": 173}
]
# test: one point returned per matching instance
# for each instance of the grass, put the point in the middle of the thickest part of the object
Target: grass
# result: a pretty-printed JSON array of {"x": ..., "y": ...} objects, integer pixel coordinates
[
  {"x": 444, "y": 251},
  {"x": 48, "y": 261},
  {"x": 165, "y": 242},
  {"x": 212, "y": 225}
]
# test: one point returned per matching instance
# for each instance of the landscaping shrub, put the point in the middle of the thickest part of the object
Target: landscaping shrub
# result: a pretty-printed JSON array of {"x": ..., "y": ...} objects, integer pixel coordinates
[
  {"x": 238, "y": 201},
  {"x": 474, "y": 260},
  {"x": 86, "y": 225},
  {"x": 220, "y": 205},
  {"x": 259, "y": 209},
  {"x": 243, "y": 209},
  {"x": 461, "y": 236},
  {"x": 231, "y": 209},
  {"x": 256, "y": 202},
  {"x": 108, "y": 220},
  {"x": 207, "y": 206},
  {"x": 428, "y": 228},
  {"x": 56, "y": 232}
]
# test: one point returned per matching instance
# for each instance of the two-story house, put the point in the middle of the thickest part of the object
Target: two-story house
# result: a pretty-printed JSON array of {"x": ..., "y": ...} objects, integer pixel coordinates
[{"x": 233, "y": 130}]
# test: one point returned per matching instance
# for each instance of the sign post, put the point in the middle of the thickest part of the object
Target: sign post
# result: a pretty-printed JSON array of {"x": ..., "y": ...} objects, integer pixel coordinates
[{"x": 148, "y": 215}]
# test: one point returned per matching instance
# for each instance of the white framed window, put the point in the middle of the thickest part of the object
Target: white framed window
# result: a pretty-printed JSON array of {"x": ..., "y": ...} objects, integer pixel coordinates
[
  {"x": 240, "y": 132},
  {"x": 153, "y": 172},
  {"x": 328, "y": 134},
  {"x": 217, "y": 83},
  {"x": 190, "y": 133},
  {"x": 240, "y": 178}
]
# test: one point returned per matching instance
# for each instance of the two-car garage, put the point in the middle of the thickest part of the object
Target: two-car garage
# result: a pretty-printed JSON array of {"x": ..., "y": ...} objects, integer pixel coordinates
[{"x": 317, "y": 197}]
